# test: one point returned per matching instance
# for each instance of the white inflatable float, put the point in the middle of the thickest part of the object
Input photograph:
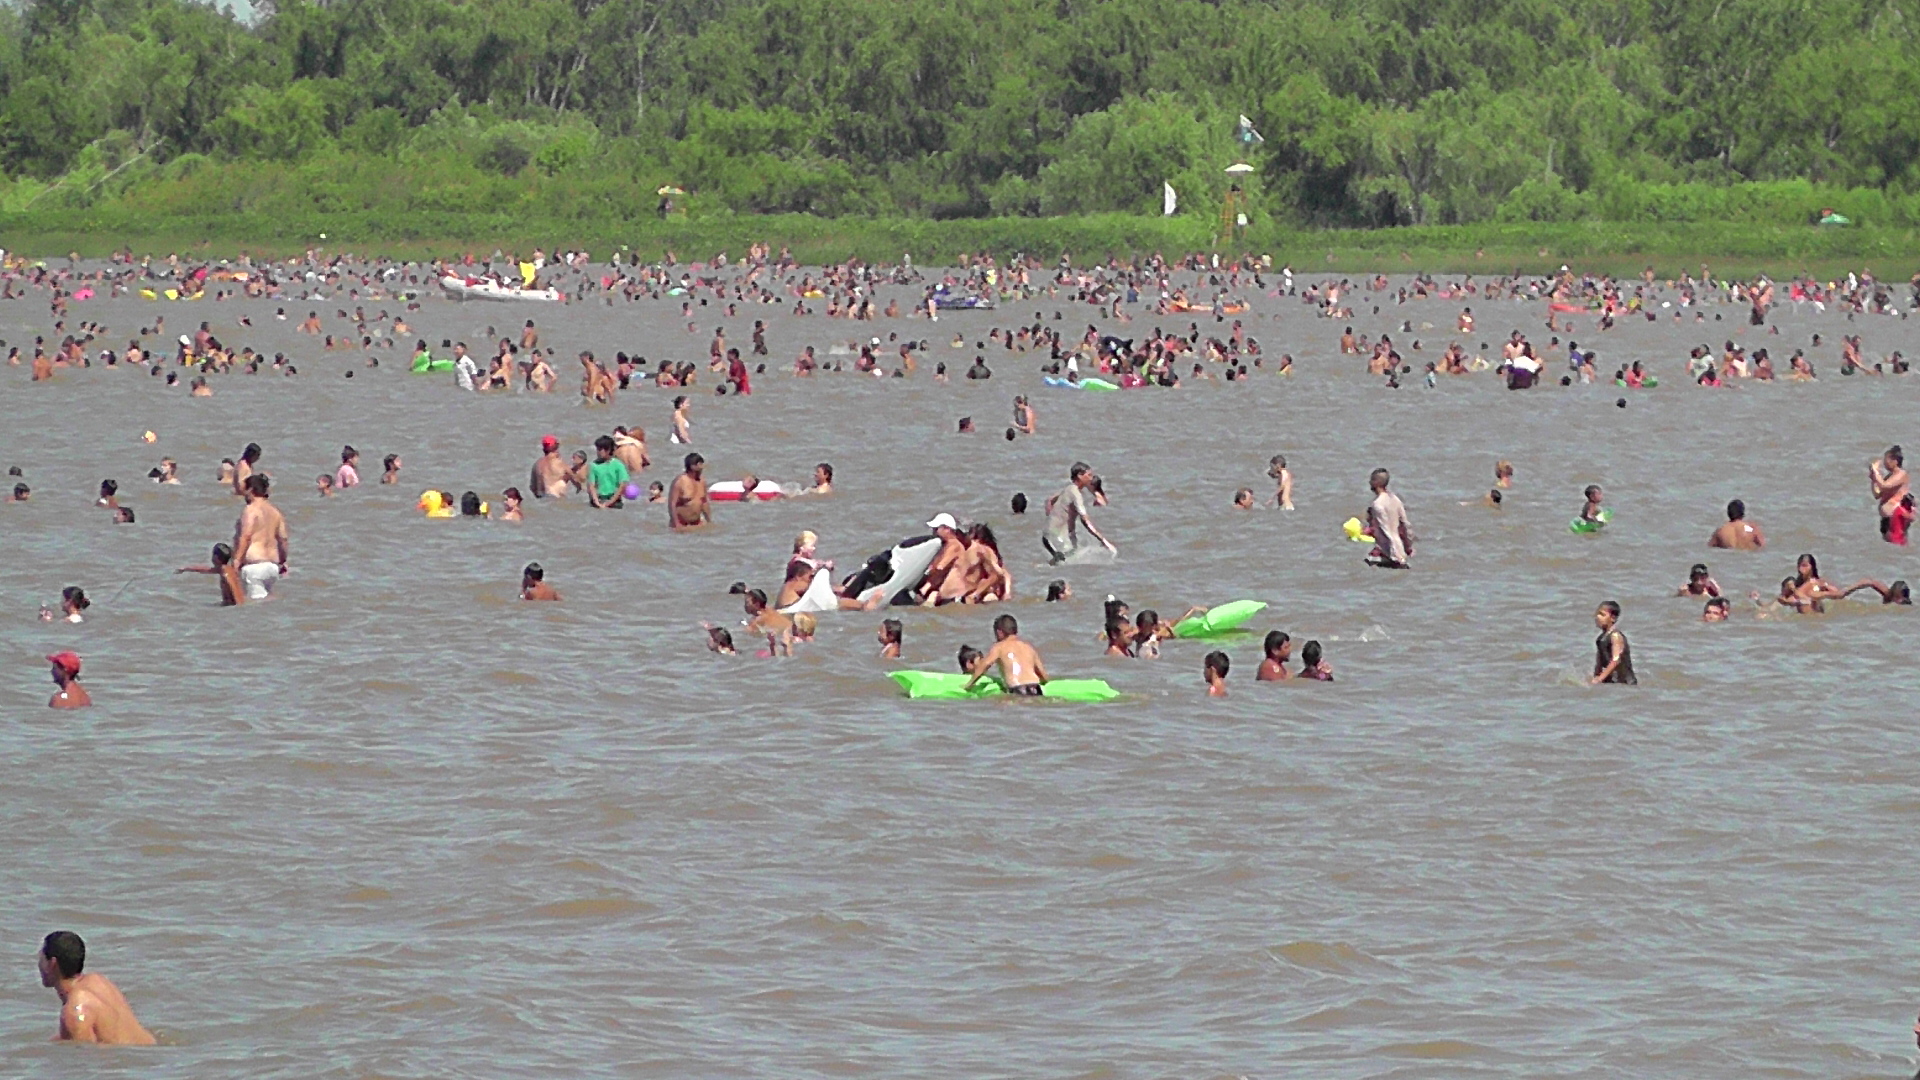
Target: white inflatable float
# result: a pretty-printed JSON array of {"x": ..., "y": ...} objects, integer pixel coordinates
[
  {"x": 892, "y": 574},
  {"x": 736, "y": 491},
  {"x": 485, "y": 289}
]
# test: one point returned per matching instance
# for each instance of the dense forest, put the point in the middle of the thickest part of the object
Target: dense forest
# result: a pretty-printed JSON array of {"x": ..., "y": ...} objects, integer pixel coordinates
[{"x": 1371, "y": 112}]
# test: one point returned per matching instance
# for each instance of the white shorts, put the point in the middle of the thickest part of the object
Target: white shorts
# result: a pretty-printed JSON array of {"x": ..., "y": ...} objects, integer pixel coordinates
[{"x": 258, "y": 578}]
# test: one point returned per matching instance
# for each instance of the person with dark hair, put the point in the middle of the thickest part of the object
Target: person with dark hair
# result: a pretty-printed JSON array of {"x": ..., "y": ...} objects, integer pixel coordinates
[
  {"x": 1896, "y": 593},
  {"x": 533, "y": 584},
  {"x": 1019, "y": 503},
  {"x": 1612, "y": 656},
  {"x": 822, "y": 480},
  {"x": 1058, "y": 590},
  {"x": 109, "y": 490},
  {"x": 1387, "y": 522},
  {"x": 390, "y": 469},
  {"x": 891, "y": 636},
  {"x": 1738, "y": 534},
  {"x": 607, "y": 476},
  {"x": 1021, "y": 671},
  {"x": 687, "y": 505},
  {"x": 260, "y": 540},
  {"x": 470, "y": 504},
  {"x": 231, "y": 592},
  {"x": 1278, "y": 647},
  {"x": 92, "y": 1009},
  {"x": 968, "y": 657},
  {"x": 244, "y": 468},
  {"x": 1311, "y": 664},
  {"x": 74, "y": 602},
  {"x": 1216, "y": 668},
  {"x": 1067, "y": 513},
  {"x": 510, "y": 501},
  {"x": 1888, "y": 475},
  {"x": 348, "y": 474}
]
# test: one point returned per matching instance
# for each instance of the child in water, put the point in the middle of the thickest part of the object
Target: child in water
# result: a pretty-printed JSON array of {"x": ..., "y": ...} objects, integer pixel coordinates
[
  {"x": 720, "y": 640},
  {"x": 1278, "y": 647},
  {"x": 1613, "y": 658},
  {"x": 891, "y": 633},
  {"x": 1312, "y": 666},
  {"x": 231, "y": 594},
  {"x": 1699, "y": 583},
  {"x": 1118, "y": 643},
  {"x": 968, "y": 658},
  {"x": 1592, "y": 513},
  {"x": 1216, "y": 673}
]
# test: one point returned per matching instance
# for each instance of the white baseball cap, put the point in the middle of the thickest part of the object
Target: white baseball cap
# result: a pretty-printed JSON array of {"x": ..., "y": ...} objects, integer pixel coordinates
[{"x": 943, "y": 521}]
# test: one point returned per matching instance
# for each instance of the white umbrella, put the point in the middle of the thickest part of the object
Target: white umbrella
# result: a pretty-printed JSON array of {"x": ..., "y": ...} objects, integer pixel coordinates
[{"x": 1239, "y": 168}]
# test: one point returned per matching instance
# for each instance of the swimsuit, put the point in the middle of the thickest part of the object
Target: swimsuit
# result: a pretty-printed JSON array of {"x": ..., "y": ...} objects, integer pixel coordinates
[
  {"x": 259, "y": 579},
  {"x": 1025, "y": 690}
]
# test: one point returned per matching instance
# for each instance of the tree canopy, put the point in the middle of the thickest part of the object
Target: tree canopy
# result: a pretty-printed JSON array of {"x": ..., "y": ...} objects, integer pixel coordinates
[{"x": 1374, "y": 112}]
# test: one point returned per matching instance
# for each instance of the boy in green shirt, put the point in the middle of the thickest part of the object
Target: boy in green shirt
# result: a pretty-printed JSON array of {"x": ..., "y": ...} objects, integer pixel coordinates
[{"x": 607, "y": 476}]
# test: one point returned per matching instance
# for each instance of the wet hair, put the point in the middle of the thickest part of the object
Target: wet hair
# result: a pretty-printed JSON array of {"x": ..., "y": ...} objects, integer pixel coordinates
[
  {"x": 1610, "y": 607},
  {"x": 123, "y": 515},
  {"x": 512, "y": 493},
  {"x": 1275, "y": 639},
  {"x": 348, "y": 453},
  {"x": 390, "y": 461},
  {"x": 692, "y": 460},
  {"x": 67, "y": 951},
  {"x": 721, "y": 636},
  {"x": 1006, "y": 624},
  {"x": 1056, "y": 590},
  {"x": 1218, "y": 663},
  {"x": 1079, "y": 469},
  {"x": 1895, "y": 455},
  {"x": 826, "y": 470},
  {"x": 1494, "y": 494},
  {"x": 222, "y": 554},
  {"x": 1310, "y": 652},
  {"x": 1117, "y": 630},
  {"x": 1736, "y": 510},
  {"x": 1147, "y": 619},
  {"x": 1898, "y": 593},
  {"x": 1012, "y": 434},
  {"x": 1115, "y": 606},
  {"x": 1717, "y": 602},
  {"x": 109, "y": 487},
  {"x": 257, "y": 485},
  {"x": 1698, "y": 569},
  {"x": 1813, "y": 565},
  {"x": 1019, "y": 502},
  {"x": 76, "y": 596},
  {"x": 756, "y": 597},
  {"x": 21, "y": 491},
  {"x": 1592, "y": 490},
  {"x": 968, "y": 657},
  {"x": 470, "y": 505},
  {"x": 1378, "y": 478},
  {"x": 604, "y": 444},
  {"x": 251, "y": 454},
  {"x": 893, "y": 630},
  {"x": 534, "y": 572}
]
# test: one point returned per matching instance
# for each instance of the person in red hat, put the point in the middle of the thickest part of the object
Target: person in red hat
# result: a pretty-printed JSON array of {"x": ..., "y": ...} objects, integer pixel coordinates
[
  {"x": 549, "y": 478},
  {"x": 66, "y": 675}
]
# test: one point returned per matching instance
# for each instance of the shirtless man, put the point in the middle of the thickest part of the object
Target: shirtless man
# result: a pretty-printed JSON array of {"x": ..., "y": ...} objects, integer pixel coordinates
[
  {"x": 66, "y": 675},
  {"x": 687, "y": 506},
  {"x": 1021, "y": 671},
  {"x": 1888, "y": 475},
  {"x": 260, "y": 541},
  {"x": 1388, "y": 524},
  {"x": 92, "y": 1009},
  {"x": 549, "y": 476},
  {"x": 1283, "y": 481},
  {"x": 945, "y": 566},
  {"x": 1023, "y": 415},
  {"x": 1738, "y": 534},
  {"x": 533, "y": 584}
]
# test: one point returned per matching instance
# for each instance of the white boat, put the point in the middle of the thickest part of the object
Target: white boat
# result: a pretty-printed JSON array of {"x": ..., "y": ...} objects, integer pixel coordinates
[{"x": 484, "y": 289}]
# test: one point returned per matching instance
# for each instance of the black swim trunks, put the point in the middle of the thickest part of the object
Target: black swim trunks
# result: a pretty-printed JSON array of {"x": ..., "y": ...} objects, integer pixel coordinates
[{"x": 1027, "y": 690}]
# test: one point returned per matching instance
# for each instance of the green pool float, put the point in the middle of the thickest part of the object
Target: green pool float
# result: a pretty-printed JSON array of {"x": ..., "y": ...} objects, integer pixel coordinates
[
  {"x": 1218, "y": 620},
  {"x": 951, "y": 686}
]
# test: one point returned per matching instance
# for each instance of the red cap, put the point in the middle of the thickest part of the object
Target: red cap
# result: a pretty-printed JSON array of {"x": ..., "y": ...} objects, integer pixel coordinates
[
  {"x": 548, "y": 442},
  {"x": 67, "y": 662}
]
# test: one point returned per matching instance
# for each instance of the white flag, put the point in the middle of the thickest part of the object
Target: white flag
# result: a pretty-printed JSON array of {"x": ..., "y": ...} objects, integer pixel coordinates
[{"x": 1169, "y": 202}]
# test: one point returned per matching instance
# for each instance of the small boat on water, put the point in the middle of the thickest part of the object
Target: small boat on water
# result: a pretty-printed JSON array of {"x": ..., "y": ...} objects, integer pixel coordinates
[{"x": 460, "y": 288}]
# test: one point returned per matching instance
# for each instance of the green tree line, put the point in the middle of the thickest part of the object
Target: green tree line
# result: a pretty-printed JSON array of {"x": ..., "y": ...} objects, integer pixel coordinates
[{"x": 1374, "y": 112}]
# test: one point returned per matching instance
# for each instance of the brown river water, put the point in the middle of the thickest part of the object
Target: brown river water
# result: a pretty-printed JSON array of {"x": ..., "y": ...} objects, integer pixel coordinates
[{"x": 396, "y": 823}]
